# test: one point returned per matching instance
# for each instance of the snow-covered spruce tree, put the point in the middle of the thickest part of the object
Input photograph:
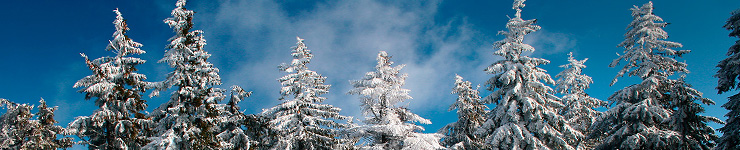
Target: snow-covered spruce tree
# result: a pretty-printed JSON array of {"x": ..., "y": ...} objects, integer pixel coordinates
[
  {"x": 727, "y": 74},
  {"x": 579, "y": 107},
  {"x": 388, "y": 126},
  {"x": 232, "y": 122},
  {"x": 303, "y": 123},
  {"x": 19, "y": 131},
  {"x": 470, "y": 116},
  {"x": 657, "y": 113},
  {"x": 189, "y": 120},
  {"x": 525, "y": 116},
  {"x": 44, "y": 135},
  {"x": 118, "y": 123}
]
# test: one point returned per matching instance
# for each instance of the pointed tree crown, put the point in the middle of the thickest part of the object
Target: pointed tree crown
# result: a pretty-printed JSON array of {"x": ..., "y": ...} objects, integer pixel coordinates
[
  {"x": 382, "y": 88},
  {"x": 186, "y": 54},
  {"x": 189, "y": 120},
  {"x": 303, "y": 122},
  {"x": 119, "y": 122},
  {"x": 525, "y": 115},
  {"x": 571, "y": 80},
  {"x": 646, "y": 52},
  {"x": 302, "y": 83},
  {"x": 121, "y": 44},
  {"x": 512, "y": 46},
  {"x": 466, "y": 95},
  {"x": 470, "y": 115},
  {"x": 301, "y": 57},
  {"x": 388, "y": 126}
]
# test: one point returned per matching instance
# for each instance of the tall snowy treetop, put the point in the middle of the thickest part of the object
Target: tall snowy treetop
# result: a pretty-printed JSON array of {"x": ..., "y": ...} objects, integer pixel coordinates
[
  {"x": 518, "y": 5},
  {"x": 119, "y": 122},
  {"x": 374, "y": 87},
  {"x": 388, "y": 126},
  {"x": 302, "y": 122},
  {"x": 388, "y": 73},
  {"x": 185, "y": 53},
  {"x": 512, "y": 46},
  {"x": 575, "y": 64},
  {"x": 646, "y": 52},
  {"x": 180, "y": 3},
  {"x": 571, "y": 80},
  {"x": 464, "y": 89},
  {"x": 185, "y": 42},
  {"x": 105, "y": 68},
  {"x": 121, "y": 44},
  {"x": 180, "y": 18},
  {"x": 301, "y": 82},
  {"x": 301, "y": 56},
  {"x": 384, "y": 59},
  {"x": 301, "y": 51},
  {"x": 646, "y": 9},
  {"x": 189, "y": 119},
  {"x": 460, "y": 84}
]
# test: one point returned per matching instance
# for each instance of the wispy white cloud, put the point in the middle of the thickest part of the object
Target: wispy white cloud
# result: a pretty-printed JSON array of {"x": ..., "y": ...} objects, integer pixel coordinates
[{"x": 345, "y": 38}]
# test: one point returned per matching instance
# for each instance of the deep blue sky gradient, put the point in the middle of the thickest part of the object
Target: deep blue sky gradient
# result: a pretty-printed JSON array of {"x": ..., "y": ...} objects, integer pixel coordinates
[{"x": 41, "y": 42}]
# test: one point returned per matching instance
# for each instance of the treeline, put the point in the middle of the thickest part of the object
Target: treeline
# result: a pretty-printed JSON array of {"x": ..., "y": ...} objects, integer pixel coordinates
[{"x": 662, "y": 111}]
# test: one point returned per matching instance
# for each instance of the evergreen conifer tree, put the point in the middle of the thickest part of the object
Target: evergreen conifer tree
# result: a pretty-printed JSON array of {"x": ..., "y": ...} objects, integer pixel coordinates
[
  {"x": 233, "y": 123},
  {"x": 189, "y": 120},
  {"x": 19, "y": 131},
  {"x": 388, "y": 126},
  {"x": 579, "y": 107},
  {"x": 525, "y": 116},
  {"x": 303, "y": 123},
  {"x": 470, "y": 116},
  {"x": 119, "y": 122},
  {"x": 658, "y": 112},
  {"x": 728, "y": 73}
]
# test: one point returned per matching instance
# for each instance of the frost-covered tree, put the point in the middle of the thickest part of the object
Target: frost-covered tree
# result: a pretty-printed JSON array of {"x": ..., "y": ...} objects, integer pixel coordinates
[
  {"x": 470, "y": 116},
  {"x": 44, "y": 134},
  {"x": 119, "y": 122},
  {"x": 388, "y": 126},
  {"x": 301, "y": 121},
  {"x": 189, "y": 120},
  {"x": 19, "y": 131},
  {"x": 579, "y": 107},
  {"x": 657, "y": 113},
  {"x": 15, "y": 125},
  {"x": 234, "y": 133},
  {"x": 646, "y": 53},
  {"x": 525, "y": 116},
  {"x": 727, "y": 74}
]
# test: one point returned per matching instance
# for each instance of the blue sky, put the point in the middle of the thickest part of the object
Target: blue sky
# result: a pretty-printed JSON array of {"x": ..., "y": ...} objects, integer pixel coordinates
[{"x": 436, "y": 39}]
